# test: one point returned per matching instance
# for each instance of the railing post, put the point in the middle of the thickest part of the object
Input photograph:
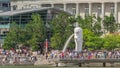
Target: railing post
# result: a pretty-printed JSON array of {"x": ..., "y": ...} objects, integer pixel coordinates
[
  {"x": 104, "y": 64},
  {"x": 88, "y": 64},
  {"x": 56, "y": 64},
  {"x": 80, "y": 64}
]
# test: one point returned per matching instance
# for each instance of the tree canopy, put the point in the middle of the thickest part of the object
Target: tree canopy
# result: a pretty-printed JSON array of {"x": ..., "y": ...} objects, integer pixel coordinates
[
  {"x": 30, "y": 36},
  {"x": 61, "y": 27}
]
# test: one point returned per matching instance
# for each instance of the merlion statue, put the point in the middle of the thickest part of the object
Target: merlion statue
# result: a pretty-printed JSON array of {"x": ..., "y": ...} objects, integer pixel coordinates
[{"x": 78, "y": 38}]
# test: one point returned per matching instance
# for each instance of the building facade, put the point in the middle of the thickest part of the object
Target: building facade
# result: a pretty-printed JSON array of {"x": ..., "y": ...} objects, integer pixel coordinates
[
  {"x": 99, "y": 8},
  {"x": 4, "y": 5},
  {"x": 19, "y": 11}
]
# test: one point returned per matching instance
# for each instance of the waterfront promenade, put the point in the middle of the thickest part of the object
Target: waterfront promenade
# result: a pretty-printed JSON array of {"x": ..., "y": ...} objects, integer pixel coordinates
[
  {"x": 85, "y": 58},
  {"x": 79, "y": 62}
]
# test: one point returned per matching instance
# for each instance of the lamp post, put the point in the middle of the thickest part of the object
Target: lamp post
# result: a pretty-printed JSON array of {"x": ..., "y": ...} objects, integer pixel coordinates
[
  {"x": 48, "y": 18},
  {"x": 46, "y": 45},
  {"x": 47, "y": 25},
  {"x": 47, "y": 40}
]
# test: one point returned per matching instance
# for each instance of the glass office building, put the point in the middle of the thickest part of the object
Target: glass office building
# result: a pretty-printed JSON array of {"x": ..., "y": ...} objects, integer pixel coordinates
[
  {"x": 4, "y": 5},
  {"x": 22, "y": 17}
]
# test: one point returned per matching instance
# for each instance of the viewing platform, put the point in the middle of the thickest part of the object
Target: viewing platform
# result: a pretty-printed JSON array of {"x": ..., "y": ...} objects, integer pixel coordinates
[{"x": 79, "y": 62}]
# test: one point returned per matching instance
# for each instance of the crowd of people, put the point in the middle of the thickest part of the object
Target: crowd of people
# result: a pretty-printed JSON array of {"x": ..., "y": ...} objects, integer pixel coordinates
[
  {"x": 16, "y": 56},
  {"x": 24, "y": 55},
  {"x": 84, "y": 54}
]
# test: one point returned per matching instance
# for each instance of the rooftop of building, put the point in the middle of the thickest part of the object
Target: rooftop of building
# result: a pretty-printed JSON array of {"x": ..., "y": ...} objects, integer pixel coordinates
[{"x": 15, "y": 12}]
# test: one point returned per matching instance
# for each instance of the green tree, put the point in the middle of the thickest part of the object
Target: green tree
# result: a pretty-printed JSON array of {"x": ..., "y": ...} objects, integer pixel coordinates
[
  {"x": 30, "y": 36},
  {"x": 96, "y": 26},
  {"x": 35, "y": 31},
  {"x": 109, "y": 24},
  {"x": 85, "y": 23},
  {"x": 90, "y": 22},
  {"x": 62, "y": 27},
  {"x": 111, "y": 42},
  {"x": 91, "y": 41},
  {"x": 12, "y": 37}
]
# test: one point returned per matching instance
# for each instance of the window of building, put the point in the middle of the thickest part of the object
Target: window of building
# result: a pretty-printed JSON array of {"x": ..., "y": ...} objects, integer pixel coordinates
[
  {"x": 0, "y": 4},
  {"x": 99, "y": 11},
  {"x": 112, "y": 9},
  {"x": 5, "y": 17},
  {"x": 5, "y": 5},
  {"x": 86, "y": 11},
  {"x": 46, "y": 5},
  {"x": 73, "y": 10}
]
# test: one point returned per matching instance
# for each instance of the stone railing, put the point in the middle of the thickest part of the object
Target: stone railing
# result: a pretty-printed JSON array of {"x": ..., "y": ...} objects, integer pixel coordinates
[{"x": 17, "y": 60}]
